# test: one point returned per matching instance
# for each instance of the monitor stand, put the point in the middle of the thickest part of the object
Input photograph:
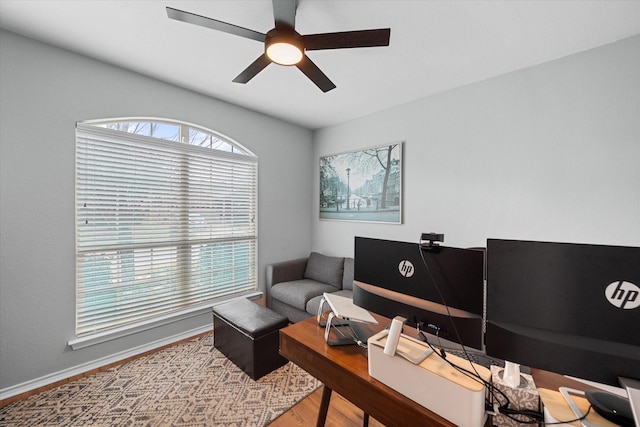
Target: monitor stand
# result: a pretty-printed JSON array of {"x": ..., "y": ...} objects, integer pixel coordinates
[
  {"x": 612, "y": 407},
  {"x": 633, "y": 391}
]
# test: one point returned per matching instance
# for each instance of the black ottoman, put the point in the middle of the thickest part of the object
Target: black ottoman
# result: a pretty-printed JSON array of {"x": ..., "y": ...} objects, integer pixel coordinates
[{"x": 248, "y": 334}]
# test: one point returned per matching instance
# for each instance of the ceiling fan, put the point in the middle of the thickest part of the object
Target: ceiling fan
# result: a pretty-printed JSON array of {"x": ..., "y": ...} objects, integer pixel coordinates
[{"x": 285, "y": 46}]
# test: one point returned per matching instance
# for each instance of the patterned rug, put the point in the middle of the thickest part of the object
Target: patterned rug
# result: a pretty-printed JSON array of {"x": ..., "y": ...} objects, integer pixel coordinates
[{"x": 190, "y": 384}]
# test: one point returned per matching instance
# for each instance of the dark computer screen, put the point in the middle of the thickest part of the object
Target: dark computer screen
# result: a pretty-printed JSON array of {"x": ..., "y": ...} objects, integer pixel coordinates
[
  {"x": 392, "y": 279},
  {"x": 568, "y": 308}
]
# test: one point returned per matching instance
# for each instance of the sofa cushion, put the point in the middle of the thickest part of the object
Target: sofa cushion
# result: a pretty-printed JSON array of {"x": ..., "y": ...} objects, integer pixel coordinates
[
  {"x": 325, "y": 269},
  {"x": 298, "y": 292},
  {"x": 347, "y": 280}
]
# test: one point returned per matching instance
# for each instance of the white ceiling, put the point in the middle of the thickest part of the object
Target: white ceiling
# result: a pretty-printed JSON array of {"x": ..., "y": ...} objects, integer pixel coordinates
[{"x": 435, "y": 45}]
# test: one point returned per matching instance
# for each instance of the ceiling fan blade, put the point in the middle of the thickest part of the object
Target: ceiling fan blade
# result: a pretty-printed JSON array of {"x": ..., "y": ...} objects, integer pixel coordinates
[
  {"x": 253, "y": 69},
  {"x": 284, "y": 12},
  {"x": 347, "y": 39},
  {"x": 203, "y": 21},
  {"x": 314, "y": 73}
]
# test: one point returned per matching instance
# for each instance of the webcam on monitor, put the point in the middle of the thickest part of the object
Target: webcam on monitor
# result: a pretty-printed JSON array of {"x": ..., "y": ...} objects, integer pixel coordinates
[{"x": 428, "y": 241}]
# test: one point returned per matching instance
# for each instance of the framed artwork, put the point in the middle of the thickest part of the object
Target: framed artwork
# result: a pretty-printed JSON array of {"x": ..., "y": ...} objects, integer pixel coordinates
[{"x": 363, "y": 185}]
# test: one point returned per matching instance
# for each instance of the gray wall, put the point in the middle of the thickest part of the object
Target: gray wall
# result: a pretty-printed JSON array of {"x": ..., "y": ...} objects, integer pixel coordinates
[
  {"x": 550, "y": 152},
  {"x": 44, "y": 91}
]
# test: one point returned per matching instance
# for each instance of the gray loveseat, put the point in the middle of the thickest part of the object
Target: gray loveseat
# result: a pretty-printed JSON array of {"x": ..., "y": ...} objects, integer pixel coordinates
[{"x": 295, "y": 287}]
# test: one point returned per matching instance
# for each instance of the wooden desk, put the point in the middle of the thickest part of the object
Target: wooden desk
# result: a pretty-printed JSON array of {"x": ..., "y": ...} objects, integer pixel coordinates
[{"x": 345, "y": 370}]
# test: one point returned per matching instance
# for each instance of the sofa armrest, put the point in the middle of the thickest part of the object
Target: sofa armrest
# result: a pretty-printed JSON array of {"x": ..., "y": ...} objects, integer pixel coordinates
[{"x": 284, "y": 271}]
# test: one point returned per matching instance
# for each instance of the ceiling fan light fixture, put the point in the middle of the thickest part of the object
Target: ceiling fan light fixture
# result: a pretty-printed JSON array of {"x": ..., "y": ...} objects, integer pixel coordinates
[
  {"x": 284, "y": 53},
  {"x": 284, "y": 46}
]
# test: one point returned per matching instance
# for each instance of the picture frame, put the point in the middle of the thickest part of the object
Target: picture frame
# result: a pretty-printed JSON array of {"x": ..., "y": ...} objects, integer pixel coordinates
[{"x": 363, "y": 185}]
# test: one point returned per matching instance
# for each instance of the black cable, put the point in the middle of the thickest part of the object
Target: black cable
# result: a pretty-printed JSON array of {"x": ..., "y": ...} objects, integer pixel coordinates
[
  {"x": 353, "y": 337},
  {"x": 455, "y": 329},
  {"x": 536, "y": 417},
  {"x": 446, "y": 306},
  {"x": 474, "y": 375}
]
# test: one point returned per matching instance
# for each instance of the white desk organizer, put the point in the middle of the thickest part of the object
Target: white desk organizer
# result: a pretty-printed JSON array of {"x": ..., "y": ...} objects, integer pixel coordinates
[{"x": 432, "y": 383}]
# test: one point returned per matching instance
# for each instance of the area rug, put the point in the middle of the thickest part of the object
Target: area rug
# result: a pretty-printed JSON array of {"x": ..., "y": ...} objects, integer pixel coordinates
[{"x": 190, "y": 384}]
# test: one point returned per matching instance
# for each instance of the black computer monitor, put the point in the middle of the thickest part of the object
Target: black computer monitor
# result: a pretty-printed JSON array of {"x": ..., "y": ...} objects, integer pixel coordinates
[
  {"x": 569, "y": 308},
  {"x": 392, "y": 279}
]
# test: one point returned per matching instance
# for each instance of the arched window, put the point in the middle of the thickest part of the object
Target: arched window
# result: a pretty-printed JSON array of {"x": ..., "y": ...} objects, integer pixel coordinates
[{"x": 166, "y": 221}]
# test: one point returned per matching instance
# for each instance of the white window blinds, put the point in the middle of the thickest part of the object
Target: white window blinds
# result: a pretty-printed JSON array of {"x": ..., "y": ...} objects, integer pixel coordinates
[{"x": 161, "y": 226}]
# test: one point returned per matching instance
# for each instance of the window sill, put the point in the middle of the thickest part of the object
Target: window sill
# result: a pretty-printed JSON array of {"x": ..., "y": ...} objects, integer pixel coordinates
[{"x": 112, "y": 334}]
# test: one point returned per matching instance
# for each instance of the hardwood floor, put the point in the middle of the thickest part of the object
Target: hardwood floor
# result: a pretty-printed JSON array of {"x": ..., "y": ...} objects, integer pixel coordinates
[{"x": 342, "y": 413}]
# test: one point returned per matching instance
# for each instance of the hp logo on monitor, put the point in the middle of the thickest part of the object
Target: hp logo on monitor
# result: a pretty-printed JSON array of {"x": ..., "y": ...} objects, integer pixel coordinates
[
  {"x": 623, "y": 294},
  {"x": 406, "y": 268}
]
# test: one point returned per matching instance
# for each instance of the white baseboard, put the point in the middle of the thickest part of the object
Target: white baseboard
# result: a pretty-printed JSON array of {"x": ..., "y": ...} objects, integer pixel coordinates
[{"x": 96, "y": 364}]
